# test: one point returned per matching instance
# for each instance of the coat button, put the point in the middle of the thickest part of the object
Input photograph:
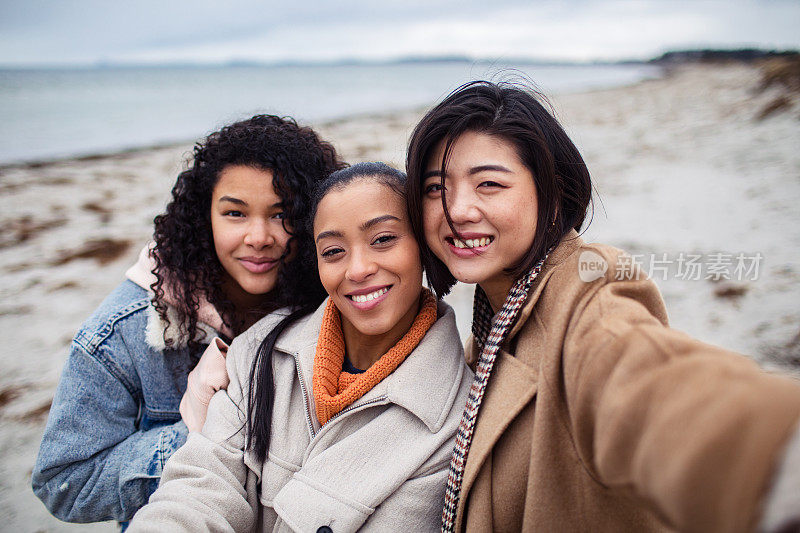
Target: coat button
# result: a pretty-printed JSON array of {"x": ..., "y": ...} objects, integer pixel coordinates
[{"x": 324, "y": 529}]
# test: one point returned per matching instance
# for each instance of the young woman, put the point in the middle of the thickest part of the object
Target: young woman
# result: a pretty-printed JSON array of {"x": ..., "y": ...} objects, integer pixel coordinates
[
  {"x": 231, "y": 247},
  {"x": 587, "y": 411},
  {"x": 368, "y": 391}
]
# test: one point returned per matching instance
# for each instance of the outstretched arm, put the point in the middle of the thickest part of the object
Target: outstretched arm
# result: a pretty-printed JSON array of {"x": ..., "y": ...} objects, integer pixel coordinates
[{"x": 693, "y": 429}]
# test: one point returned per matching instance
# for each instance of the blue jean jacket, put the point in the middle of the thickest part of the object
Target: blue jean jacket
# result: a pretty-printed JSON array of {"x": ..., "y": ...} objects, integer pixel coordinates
[{"x": 114, "y": 420}]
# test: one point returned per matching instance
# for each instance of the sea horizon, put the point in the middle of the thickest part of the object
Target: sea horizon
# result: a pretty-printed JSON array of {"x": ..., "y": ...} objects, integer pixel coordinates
[{"x": 64, "y": 113}]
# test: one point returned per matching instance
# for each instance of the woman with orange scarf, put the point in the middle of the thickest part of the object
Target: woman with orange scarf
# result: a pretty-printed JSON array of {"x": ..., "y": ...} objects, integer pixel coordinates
[{"x": 358, "y": 428}]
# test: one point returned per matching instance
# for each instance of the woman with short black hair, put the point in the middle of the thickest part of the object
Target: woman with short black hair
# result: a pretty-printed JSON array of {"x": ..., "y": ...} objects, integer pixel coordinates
[{"x": 587, "y": 411}]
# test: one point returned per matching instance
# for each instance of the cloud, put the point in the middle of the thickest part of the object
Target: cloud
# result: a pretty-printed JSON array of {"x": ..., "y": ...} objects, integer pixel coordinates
[{"x": 204, "y": 31}]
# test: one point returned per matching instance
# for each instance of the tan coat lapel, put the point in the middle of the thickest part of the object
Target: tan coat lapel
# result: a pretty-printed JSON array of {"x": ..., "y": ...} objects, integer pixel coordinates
[{"x": 501, "y": 404}]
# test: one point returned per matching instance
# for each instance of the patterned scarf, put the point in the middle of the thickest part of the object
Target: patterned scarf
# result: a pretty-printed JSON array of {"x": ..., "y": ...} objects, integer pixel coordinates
[{"x": 489, "y": 334}]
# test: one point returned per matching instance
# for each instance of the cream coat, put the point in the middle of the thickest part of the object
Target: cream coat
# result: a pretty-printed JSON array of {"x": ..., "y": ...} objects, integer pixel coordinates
[
  {"x": 598, "y": 417},
  {"x": 380, "y": 464}
]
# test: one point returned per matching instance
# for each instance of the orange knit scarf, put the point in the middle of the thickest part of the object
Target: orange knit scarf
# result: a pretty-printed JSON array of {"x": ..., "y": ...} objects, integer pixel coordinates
[{"x": 334, "y": 389}]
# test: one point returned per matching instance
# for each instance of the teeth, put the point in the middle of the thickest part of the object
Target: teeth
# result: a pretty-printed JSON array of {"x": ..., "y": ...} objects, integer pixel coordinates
[
  {"x": 472, "y": 243},
  {"x": 361, "y": 298}
]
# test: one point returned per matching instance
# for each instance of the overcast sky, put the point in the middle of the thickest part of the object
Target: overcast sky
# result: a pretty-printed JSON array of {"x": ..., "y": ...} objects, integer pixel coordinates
[{"x": 59, "y": 32}]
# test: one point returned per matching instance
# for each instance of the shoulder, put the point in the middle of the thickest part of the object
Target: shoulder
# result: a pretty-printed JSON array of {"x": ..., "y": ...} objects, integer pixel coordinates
[
  {"x": 433, "y": 382},
  {"x": 128, "y": 315},
  {"x": 244, "y": 347},
  {"x": 126, "y": 304},
  {"x": 442, "y": 345},
  {"x": 584, "y": 287},
  {"x": 598, "y": 276},
  {"x": 582, "y": 267}
]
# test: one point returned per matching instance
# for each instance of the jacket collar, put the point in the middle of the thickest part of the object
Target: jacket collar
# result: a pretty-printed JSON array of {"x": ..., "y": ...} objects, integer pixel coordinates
[
  {"x": 209, "y": 319},
  {"x": 565, "y": 248},
  {"x": 426, "y": 383}
]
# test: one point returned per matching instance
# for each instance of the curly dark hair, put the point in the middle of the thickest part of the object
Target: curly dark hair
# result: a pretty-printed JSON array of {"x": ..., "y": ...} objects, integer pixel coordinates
[{"x": 186, "y": 261}]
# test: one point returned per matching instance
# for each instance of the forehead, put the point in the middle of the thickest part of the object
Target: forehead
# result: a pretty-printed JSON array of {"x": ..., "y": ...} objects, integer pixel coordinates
[
  {"x": 473, "y": 148},
  {"x": 357, "y": 202},
  {"x": 245, "y": 180}
]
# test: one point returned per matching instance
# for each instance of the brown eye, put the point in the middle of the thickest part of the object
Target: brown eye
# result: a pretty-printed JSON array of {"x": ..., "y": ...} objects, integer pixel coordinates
[
  {"x": 383, "y": 239},
  {"x": 433, "y": 188},
  {"x": 331, "y": 252}
]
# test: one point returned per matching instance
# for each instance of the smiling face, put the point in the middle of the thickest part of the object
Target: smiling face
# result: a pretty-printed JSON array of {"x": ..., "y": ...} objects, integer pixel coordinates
[
  {"x": 491, "y": 198},
  {"x": 249, "y": 236},
  {"x": 368, "y": 259}
]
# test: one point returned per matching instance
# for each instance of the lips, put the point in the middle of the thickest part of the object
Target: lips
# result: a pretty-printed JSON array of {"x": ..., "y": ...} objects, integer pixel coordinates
[
  {"x": 258, "y": 265},
  {"x": 368, "y": 298}
]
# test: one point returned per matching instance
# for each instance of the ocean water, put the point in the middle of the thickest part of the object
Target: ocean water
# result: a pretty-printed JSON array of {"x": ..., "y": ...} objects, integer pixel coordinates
[{"x": 49, "y": 114}]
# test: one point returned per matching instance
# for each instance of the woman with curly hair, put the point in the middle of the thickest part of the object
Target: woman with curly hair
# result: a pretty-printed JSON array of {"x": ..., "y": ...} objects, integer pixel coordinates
[{"x": 231, "y": 247}]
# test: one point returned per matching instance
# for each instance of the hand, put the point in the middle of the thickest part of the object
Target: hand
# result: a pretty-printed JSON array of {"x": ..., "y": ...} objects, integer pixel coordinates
[{"x": 209, "y": 376}]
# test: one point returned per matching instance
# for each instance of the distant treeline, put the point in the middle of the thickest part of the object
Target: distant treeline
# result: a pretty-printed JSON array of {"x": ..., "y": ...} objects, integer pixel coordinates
[{"x": 713, "y": 56}]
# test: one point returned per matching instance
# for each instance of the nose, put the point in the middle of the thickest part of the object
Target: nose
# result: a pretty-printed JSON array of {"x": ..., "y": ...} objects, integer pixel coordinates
[
  {"x": 462, "y": 205},
  {"x": 361, "y": 266},
  {"x": 259, "y": 234}
]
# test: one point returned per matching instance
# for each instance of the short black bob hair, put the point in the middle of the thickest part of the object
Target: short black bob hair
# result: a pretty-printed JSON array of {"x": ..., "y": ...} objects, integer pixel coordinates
[{"x": 515, "y": 114}]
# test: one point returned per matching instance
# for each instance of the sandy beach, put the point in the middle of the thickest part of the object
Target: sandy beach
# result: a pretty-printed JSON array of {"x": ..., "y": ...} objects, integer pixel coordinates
[{"x": 690, "y": 165}]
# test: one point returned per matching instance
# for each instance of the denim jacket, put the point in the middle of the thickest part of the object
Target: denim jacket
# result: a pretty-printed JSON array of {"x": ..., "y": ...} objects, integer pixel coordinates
[{"x": 114, "y": 421}]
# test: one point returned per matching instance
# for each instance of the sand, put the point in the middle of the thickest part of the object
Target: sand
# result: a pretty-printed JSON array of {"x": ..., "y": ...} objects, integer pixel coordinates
[{"x": 682, "y": 165}]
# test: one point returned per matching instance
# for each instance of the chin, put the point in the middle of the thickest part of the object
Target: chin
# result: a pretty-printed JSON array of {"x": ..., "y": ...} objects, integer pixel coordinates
[
  {"x": 258, "y": 290},
  {"x": 371, "y": 327},
  {"x": 468, "y": 275}
]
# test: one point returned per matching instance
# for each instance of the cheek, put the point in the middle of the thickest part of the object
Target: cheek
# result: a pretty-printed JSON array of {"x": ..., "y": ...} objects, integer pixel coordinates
[
  {"x": 414, "y": 265},
  {"x": 523, "y": 227},
  {"x": 282, "y": 236},
  {"x": 431, "y": 215},
  {"x": 327, "y": 276},
  {"x": 224, "y": 237},
  {"x": 411, "y": 264}
]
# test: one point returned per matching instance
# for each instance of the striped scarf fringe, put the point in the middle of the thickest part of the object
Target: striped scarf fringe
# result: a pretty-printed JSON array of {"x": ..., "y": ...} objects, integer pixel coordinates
[{"x": 489, "y": 333}]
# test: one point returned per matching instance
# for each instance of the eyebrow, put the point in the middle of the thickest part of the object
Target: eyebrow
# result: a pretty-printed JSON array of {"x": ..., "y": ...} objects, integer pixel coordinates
[
  {"x": 471, "y": 172},
  {"x": 237, "y": 201},
  {"x": 377, "y": 220},
  {"x": 329, "y": 233},
  {"x": 364, "y": 227},
  {"x": 232, "y": 200}
]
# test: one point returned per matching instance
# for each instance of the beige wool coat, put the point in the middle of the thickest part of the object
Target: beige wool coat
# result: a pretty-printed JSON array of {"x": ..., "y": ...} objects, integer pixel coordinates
[
  {"x": 380, "y": 464},
  {"x": 598, "y": 417}
]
